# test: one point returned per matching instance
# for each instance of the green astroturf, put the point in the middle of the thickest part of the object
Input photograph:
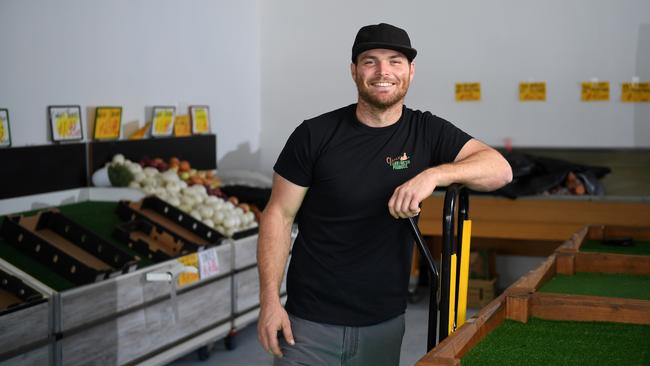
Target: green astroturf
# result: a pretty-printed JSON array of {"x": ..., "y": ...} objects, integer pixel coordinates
[
  {"x": 32, "y": 266},
  {"x": 98, "y": 217},
  {"x": 601, "y": 284},
  {"x": 640, "y": 247},
  {"x": 547, "y": 342}
]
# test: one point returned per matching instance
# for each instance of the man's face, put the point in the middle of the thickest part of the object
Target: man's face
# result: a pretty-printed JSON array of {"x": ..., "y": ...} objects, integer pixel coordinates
[{"x": 382, "y": 77}]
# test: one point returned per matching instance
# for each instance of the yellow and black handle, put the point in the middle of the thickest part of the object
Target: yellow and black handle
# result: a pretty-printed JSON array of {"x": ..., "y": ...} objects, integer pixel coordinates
[{"x": 452, "y": 279}]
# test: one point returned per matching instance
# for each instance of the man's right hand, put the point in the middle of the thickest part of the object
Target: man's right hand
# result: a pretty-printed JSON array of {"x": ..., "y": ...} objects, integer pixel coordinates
[{"x": 273, "y": 318}]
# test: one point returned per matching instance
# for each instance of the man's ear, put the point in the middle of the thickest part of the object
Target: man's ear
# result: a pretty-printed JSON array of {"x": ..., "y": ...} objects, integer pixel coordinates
[
  {"x": 411, "y": 70},
  {"x": 353, "y": 71}
]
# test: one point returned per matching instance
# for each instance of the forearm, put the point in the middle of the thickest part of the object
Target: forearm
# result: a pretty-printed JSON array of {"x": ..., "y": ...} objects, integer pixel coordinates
[
  {"x": 485, "y": 170},
  {"x": 272, "y": 252}
]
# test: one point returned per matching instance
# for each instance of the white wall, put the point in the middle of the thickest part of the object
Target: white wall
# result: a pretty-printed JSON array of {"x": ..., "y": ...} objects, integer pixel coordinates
[
  {"x": 135, "y": 54},
  {"x": 264, "y": 66},
  {"x": 306, "y": 55}
]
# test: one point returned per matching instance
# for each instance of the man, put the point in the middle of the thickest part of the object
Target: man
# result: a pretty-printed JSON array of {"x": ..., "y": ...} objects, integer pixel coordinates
[{"x": 350, "y": 176}]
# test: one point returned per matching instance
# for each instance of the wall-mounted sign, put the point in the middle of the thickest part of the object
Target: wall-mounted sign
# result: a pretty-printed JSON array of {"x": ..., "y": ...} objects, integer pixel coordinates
[
  {"x": 162, "y": 121},
  {"x": 595, "y": 91},
  {"x": 182, "y": 126},
  {"x": 5, "y": 131},
  {"x": 65, "y": 121},
  {"x": 635, "y": 92},
  {"x": 108, "y": 122},
  {"x": 532, "y": 91},
  {"x": 468, "y": 92},
  {"x": 200, "y": 119}
]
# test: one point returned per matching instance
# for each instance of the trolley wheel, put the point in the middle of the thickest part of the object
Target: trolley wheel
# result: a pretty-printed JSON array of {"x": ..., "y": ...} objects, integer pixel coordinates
[
  {"x": 203, "y": 353},
  {"x": 229, "y": 341}
]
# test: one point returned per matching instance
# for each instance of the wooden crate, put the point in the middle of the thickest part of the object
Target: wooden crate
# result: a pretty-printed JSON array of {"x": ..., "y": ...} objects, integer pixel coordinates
[{"x": 480, "y": 292}]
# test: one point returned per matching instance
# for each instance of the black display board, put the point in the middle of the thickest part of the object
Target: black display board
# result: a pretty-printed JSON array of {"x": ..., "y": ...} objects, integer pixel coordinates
[
  {"x": 199, "y": 150},
  {"x": 39, "y": 169}
]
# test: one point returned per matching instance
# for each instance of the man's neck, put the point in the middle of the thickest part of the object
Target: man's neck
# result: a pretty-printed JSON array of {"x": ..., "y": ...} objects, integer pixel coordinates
[{"x": 378, "y": 117}]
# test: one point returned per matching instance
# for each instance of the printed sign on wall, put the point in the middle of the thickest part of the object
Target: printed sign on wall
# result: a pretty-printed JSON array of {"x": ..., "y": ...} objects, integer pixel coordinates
[
  {"x": 635, "y": 92},
  {"x": 468, "y": 92},
  {"x": 595, "y": 91},
  {"x": 532, "y": 91}
]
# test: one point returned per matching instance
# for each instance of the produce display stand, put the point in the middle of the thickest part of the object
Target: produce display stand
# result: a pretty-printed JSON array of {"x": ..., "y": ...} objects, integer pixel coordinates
[
  {"x": 125, "y": 314},
  {"x": 524, "y": 300}
]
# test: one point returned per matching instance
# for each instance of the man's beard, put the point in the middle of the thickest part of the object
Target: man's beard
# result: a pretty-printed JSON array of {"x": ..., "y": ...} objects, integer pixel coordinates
[{"x": 381, "y": 103}]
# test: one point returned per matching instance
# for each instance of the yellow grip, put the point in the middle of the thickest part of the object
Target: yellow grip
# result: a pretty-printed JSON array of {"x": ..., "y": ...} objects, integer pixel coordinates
[{"x": 464, "y": 272}]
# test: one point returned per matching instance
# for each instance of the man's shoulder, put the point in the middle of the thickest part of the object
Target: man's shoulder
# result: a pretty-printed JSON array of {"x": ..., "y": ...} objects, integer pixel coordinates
[
  {"x": 417, "y": 115},
  {"x": 331, "y": 116}
]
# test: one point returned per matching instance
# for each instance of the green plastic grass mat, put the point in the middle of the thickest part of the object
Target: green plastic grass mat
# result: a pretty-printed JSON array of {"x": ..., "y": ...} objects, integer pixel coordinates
[
  {"x": 547, "y": 342},
  {"x": 601, "y": 284},
  {"x": 101, "y": 219},
  {"x": 32, "y": 267},
  {"x": 640, "y": 247}
]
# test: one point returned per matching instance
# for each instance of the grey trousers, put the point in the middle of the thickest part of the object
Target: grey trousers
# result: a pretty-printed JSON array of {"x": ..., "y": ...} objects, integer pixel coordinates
[{"x": 330, "y": 345}]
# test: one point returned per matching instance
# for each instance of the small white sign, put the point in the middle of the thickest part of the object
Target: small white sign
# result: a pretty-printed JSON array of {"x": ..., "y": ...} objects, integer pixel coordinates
[{"x": 208, "y": 262}]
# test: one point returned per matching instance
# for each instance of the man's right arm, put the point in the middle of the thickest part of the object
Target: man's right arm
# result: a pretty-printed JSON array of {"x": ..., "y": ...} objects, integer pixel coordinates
[{"x": 272, "y": 253}]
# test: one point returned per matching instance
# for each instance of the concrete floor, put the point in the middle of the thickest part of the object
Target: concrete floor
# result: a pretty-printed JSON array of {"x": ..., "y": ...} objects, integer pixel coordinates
[{"x": 248, "y": 351}]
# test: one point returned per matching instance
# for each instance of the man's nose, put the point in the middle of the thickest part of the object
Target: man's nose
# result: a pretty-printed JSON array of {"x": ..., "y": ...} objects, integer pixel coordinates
[{"x": 382, "y": 68}]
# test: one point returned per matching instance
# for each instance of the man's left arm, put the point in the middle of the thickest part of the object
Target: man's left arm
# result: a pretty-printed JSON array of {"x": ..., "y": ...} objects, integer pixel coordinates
[{"x": 477, "y": 166}]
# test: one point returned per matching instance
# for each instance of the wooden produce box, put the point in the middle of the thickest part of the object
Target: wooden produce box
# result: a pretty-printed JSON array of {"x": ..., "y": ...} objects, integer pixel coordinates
[
  {"x": 480, "y": 292},
  {"x": 25, "y": 319},
  {"x": 128, "y": 318}
]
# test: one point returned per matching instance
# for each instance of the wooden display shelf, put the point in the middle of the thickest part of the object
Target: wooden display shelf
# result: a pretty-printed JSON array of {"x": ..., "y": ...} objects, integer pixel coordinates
[
  {"x": 534, "y": 226},
  {"x": 522, "y": 300}
]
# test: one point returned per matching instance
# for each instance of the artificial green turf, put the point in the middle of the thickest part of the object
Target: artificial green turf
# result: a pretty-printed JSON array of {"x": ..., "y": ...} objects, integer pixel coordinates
[
  {"x": 547, "y": 342},
  {"x": 32, "y": 266},
  {"x": 640, "y": 247},
  {"x": 601, "y": 284},
  {"x": 98, "y": 217}
]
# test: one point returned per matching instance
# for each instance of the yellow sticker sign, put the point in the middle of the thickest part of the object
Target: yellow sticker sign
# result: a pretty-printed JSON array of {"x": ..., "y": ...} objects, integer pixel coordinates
[
  {"x": 200, "y": 119},
  {"x": 468, "y": 92},
  {"x": 635, "y": 92},
  {"x": 182, "y": 126},
  {"x": 532, "y": 91},
  {"x": 108, "y": 123},
  {"x": 163, "y": 119},
  {"x": 595, "y": 91},
  {"x": 186, "y": 278}
]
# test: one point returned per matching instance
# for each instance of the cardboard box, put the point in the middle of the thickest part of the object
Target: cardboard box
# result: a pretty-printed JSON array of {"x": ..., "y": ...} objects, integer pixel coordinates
[{"x": 480, "y": 292}]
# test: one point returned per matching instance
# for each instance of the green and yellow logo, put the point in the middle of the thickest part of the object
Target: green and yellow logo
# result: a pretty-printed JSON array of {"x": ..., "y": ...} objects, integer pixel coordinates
[{"x": 400, "y": 162}]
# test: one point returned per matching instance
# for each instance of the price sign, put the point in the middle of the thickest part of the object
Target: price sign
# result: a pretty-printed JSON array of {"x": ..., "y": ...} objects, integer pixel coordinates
[
  {"x": 635, "y": 92},
  {"x": 162, "y": 121},
  {"x": 65, "y": 122},
  {"x": 200, "y": 119},
  {"x": 182, "y": 126},
  {"x": 186, "y": 278},
  {"x": 468, "y": 92},
  {"x": 108, "y": 121},
  {"x": 208, "y": 262},
  {"x": 595, "y": 91},
  {"x": 5, "y": 135},
  {"x": 532, "y": 91}
]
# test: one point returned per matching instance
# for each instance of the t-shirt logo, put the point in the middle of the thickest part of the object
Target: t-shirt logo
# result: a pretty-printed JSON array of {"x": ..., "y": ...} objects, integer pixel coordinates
[{"x": 400, "y": 162}]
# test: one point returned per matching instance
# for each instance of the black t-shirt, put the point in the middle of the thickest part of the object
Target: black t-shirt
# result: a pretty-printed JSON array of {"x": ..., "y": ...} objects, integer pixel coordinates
[{"x": 351, "y": 260}]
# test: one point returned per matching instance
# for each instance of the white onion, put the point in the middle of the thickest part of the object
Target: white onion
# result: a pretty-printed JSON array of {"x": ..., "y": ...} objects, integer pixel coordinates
[
  {"x": 118, "y": 159},
  {"x": 139, "y": 176},
  {"x": 206, "y": 211}
]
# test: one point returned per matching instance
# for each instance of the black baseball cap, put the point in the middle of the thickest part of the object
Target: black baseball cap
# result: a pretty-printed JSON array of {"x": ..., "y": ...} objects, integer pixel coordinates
[{"x": 383, "y": 36}]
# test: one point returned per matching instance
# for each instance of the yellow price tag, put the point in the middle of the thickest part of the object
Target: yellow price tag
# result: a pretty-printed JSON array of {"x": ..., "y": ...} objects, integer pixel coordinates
[
  {"x": 200, "y": 119},
  {"x": 595, "y": 91},
  {"x": 186, "y": 278},
  {"x": 182, "y": 126},
  {"x": 532, "y": 91},
  {"x": 635, "y": 92},
  {"x": 468, "y": 92},
  {"x": 2, "y": 130},
  {"x": 107, "y": 123},
  {"x": 66, "y": 124},
  {"x": 162, "y": 122}
]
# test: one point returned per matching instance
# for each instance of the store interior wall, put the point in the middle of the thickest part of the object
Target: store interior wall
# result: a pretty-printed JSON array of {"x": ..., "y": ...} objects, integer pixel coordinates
[
  {"x": 134, "y": 54},
  {"x": 306, "y": 56},
  {"x": 264, "y": 66}
]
